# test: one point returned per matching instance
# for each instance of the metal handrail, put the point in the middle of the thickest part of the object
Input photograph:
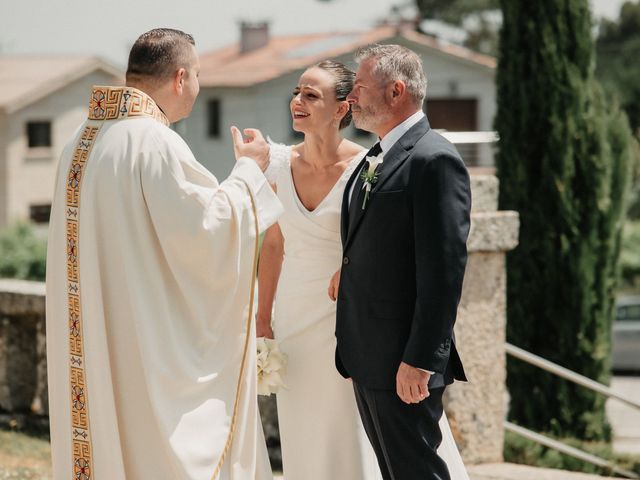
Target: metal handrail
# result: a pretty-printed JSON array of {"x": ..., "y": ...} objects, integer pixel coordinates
[
  {"x": 567, "y": 374},
  {"x": 578, "y": 379},
  {"x": 470, "y": 137},
  {"x": 568, "y": 450}
]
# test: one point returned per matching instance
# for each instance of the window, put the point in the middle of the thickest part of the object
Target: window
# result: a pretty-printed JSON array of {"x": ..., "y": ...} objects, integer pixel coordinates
[
  {"x": 213, "y": 118},
  {"x": 452, "y": 114},
  {"x": 630, "y": 313},
  {"x": 40, "y": 213},
  {"x": 39, "y": 134}
]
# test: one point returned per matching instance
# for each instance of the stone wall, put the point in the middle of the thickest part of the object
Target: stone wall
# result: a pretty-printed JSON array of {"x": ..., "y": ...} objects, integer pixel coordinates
[
  {"x": 477, "y": 409},
  {"x": 23, "y": 367}
]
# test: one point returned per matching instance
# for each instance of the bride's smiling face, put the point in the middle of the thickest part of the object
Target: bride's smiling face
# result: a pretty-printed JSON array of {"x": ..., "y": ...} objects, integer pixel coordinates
[{"x": 314, "y": 106}]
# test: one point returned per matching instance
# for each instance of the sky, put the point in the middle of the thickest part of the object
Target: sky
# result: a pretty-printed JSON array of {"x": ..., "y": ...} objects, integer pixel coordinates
[{"x": 109, "y": 28}]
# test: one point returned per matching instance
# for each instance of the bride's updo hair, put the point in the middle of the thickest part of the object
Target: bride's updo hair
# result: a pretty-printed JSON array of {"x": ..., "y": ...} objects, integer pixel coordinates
[{"x": 344, "y": 79}]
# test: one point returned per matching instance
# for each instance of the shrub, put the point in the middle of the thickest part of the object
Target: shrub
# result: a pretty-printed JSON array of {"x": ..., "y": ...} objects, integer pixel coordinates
[{"x": 22, "y": 253}]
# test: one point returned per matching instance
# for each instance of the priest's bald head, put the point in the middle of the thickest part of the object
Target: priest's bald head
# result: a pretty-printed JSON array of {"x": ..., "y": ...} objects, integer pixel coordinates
[{"x": 164, "y": 64}]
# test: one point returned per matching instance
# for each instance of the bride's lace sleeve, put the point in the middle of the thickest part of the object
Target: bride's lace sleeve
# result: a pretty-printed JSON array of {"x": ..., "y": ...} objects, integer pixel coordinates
[{"x": 279, "y": 155}]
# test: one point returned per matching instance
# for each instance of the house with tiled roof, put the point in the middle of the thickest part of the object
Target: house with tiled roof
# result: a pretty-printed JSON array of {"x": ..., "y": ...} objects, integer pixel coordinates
[
  {"x": 43, "y": 100},
  {"x": 249, "y": 84}
]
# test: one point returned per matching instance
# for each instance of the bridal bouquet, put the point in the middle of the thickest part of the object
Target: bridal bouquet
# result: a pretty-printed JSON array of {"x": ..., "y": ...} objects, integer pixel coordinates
[{"x": 272, "y": 365}]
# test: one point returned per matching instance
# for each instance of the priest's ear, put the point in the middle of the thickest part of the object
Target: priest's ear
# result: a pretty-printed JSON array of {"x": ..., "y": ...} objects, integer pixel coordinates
[{"x": 178, "y": 80}]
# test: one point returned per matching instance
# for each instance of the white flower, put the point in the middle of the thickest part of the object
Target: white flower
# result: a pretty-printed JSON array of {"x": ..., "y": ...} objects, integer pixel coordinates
[
  {"x": 271, "y": 364},
  {"x": 373, "y": 163},
  {"x": 370, "y": 176}
]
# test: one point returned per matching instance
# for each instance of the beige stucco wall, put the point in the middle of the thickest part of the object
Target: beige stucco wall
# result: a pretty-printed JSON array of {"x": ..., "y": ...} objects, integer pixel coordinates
[{"x": 29, "y": 173}]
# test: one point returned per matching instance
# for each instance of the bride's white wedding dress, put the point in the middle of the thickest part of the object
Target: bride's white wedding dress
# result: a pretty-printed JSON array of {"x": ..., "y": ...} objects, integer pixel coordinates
[{"x": 321, "y": 434}]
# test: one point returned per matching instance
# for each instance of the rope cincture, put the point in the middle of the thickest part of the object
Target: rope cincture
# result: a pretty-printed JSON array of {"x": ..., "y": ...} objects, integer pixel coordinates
[{"x": 254, "y": 272}]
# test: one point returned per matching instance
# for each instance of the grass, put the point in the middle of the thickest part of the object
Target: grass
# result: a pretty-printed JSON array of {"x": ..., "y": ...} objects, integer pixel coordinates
[{"x": 24, "y": 456}]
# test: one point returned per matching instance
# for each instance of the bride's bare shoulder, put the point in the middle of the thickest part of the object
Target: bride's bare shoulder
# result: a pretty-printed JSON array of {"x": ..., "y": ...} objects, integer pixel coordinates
[
  {"x": 353, "y": 149},
  {"x": 296, "y": 150}
]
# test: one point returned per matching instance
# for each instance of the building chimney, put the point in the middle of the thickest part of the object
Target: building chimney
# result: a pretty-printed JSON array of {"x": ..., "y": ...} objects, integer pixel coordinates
[{"x": 253, "y": 35}]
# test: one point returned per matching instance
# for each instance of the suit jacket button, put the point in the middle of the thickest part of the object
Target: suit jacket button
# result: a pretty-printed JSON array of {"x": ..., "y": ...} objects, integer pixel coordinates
[{"x": 345, "y": 260}]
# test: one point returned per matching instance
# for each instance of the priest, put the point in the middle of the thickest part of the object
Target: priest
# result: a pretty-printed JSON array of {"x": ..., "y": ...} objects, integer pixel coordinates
[{"x": 150, "y": 271}]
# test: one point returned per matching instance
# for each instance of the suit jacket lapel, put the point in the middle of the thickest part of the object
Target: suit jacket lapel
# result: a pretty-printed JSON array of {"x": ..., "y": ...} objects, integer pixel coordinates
[
  {"x": 392, "y": 160},
  {"x": 344, "y": 217},
  {"x": 400, "y": 151}
]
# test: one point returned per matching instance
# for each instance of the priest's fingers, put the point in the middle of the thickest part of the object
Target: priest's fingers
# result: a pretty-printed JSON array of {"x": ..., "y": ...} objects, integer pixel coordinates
[
  {"x": 254, "y": 134},
  {"x": 237, "y": 140}
]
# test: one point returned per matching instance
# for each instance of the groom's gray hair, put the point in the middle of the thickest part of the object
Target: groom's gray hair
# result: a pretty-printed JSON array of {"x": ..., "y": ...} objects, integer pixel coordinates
[{"x": 395, "y": 62}]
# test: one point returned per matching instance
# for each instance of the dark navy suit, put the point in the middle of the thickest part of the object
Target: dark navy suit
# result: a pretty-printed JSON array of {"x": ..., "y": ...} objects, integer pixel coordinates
[{"x": 403, "y": 265}]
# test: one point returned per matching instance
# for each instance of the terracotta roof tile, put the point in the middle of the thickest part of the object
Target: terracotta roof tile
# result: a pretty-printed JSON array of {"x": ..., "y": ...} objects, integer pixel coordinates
[{"x": 227, "y": 67}]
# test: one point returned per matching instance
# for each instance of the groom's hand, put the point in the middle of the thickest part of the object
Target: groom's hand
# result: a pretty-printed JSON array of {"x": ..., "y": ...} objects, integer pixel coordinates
[
  {"x": 254, "y": 146},
  {"x": 411, "y": 383}
]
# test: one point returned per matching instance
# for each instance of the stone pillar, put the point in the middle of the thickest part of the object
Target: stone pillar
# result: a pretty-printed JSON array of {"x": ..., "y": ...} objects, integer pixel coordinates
[
  {"x": 477, "y": 409},
  {"x": 23, "y": 367}
]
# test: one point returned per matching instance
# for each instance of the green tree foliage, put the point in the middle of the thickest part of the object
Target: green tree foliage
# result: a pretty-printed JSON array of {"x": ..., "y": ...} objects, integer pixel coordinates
[
  {"x": 453, "y": 11},
  {"x": 564, "y": 163},
  {"x": 22, "y": 253},
  {"x": 618, "y": 51},
  {"x": 482, "y": 36}
]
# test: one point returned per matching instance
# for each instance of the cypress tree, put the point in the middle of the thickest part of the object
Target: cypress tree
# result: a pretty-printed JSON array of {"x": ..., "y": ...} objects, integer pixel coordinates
[{"x": 563, "y": 161}]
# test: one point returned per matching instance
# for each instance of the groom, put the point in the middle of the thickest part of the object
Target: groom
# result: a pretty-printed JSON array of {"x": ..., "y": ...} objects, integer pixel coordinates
[{"x": 404, "y": 247}]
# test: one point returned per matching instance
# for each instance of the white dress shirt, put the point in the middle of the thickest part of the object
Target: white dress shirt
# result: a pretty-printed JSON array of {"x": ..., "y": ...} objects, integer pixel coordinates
[{"x": 392, "y": 137}]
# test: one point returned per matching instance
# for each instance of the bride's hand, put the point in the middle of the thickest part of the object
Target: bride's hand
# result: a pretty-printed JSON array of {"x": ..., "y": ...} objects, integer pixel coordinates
[
  {"x": 263, "y": 329},
  {"x": 334, "y": 283}
]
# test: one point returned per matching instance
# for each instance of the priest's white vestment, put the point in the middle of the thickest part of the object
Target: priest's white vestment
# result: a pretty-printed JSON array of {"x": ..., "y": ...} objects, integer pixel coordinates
[{"x": 149, "y": 270}]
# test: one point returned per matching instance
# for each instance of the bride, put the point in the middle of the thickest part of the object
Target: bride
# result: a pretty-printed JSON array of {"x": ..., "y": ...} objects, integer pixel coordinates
[{"x": 321, "y": 434}]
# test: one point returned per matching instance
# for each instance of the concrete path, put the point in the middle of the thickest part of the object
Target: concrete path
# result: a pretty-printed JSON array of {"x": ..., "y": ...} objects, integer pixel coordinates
[
  {"x": 624, "y": 419},
  {"x": 509, "y": 471}
]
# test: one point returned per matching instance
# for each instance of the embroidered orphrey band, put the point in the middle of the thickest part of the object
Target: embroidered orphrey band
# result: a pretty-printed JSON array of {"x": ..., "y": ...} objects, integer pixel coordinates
[
  {"x": 80, "y": 429},
  {"x": 106, "y": 103},
  {"x": 113, "y": 103}
]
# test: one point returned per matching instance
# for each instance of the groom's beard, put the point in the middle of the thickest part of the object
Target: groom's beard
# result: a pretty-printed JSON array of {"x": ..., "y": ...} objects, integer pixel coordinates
[{"x": 369, "y": 117}]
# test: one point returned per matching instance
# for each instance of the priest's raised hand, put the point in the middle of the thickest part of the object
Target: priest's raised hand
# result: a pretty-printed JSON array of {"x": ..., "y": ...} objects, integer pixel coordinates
[{"x": 254, "y": 146}]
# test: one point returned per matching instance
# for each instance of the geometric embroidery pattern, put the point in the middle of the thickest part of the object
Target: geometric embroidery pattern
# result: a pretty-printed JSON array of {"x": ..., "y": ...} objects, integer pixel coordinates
[
  {"x": 106, "y": 103},
  {"x": 113, "y": 103},
  {"x": 80, "y": 429}
]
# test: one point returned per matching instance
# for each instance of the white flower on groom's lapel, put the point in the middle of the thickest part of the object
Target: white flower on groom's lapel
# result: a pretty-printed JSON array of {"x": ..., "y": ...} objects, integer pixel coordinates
[{"x": 369, "y": 176}]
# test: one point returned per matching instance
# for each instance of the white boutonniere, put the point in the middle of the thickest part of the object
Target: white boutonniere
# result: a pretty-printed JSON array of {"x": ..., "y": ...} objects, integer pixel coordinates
[
  {"x": 272, "y": 365},
  {"x": 370, "y": 176}
]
